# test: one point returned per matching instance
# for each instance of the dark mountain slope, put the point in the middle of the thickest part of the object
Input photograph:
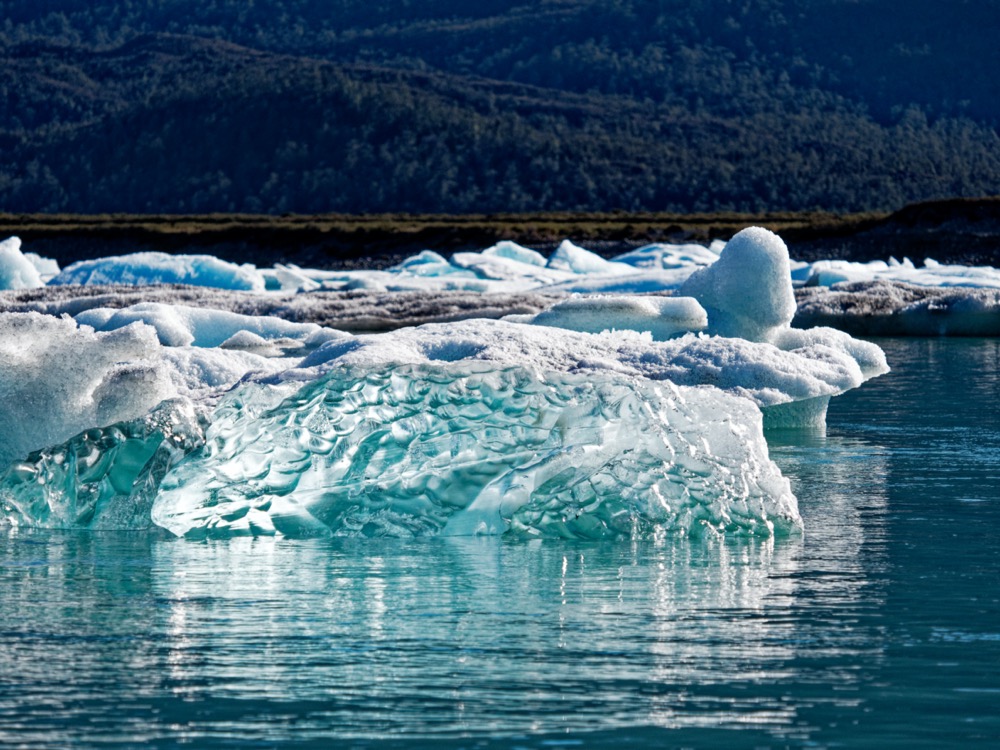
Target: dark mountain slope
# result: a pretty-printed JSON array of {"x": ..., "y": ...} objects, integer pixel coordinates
[{"x": 305, "y": 106}]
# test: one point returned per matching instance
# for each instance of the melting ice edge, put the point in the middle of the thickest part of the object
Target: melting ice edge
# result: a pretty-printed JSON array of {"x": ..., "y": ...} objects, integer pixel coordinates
[{"x": 604, "y": 416}]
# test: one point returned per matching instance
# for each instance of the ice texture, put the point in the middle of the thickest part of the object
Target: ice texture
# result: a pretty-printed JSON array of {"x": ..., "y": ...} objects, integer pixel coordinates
[
  {"x": 57, "y": 379},
  {"x": 887, "y": 308},
  {"x": 811, "y": 367},
  {"x": 354, "y": 311},
  {"x": 16, "y": 270},
  {"x": 663, "y": 317},
  {"x": 748, "y": 291},
  {"x": 103, "y": 478},
  {"x": 181, "y": 325},
  {"x": 473, "y": 449},
  {"x": 162, "y": 268}
]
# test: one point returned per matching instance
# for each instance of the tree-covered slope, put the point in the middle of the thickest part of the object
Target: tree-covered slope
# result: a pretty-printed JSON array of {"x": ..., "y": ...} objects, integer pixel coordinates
[{"x": 308, "y": 106}]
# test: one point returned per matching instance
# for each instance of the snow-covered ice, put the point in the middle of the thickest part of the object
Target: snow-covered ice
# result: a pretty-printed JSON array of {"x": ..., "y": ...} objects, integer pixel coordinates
[
  {"x": 301, "y": 401},
  {"x": 17, "y": 271}
]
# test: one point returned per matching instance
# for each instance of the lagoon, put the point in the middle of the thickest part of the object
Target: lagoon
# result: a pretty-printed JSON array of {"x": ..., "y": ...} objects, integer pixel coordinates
[{"x": 879, "y": 626}]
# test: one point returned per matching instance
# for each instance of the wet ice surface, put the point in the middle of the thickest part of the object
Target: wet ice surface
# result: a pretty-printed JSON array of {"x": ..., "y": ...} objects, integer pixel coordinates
[{"x": 606, "y": 362}]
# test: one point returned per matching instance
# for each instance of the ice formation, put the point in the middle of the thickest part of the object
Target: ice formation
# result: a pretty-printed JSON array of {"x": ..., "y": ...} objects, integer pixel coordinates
[
  {"x": 217, "y": 411},
  {"x": 162, "y": 268},
  {"x": 887, "y": 308},
  {"x": 57, "y": 379},
  {"x": 932, "y": 274},
  {"x": 820, "y": 366},
  {"x": 478, "y": 450},
  {"x": 103, "y": 478},
  {"x": 663, "y": 317},
  {"x": 16, "y": 270},
  {"x": 747, "y": 292},
  {"x": 180, "y": 325}
]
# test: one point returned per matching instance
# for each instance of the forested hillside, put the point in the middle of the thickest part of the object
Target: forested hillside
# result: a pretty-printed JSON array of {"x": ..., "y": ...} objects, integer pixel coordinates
[{"x": 446, "y": 106}]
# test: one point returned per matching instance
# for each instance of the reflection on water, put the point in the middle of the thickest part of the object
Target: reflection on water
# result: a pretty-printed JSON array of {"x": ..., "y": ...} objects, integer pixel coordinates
[{"x": 880, "y": 622}]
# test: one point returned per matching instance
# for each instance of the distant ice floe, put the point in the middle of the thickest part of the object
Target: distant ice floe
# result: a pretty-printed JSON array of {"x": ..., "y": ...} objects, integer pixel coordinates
[
  {"x": 595, "y": 416},
  {"x": 886, "y": 308},
  {"x": 162, "y": 268}
]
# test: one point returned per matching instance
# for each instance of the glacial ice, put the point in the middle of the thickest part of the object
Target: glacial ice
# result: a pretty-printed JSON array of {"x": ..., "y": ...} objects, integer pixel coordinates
[
  {"x": 747, "y": 292},
  {"x": 102, "y": 478},
  {"x": 663, "y": 317},
  {"x": 57, "y": 379},
  {"x": 473, "y": 449},
  {"x": 162, "y": 268},
  {"x": 761, "y": 372},
  {"x": 17, "y": 271},
  {"x": 583, "y": 416},
  {"x": 887, "y": 308},
  {"x": 181, "y": 325}
]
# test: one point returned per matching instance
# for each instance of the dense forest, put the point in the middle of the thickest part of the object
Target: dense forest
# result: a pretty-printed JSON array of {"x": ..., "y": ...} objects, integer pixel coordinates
[{"x": 309, "y": 106}]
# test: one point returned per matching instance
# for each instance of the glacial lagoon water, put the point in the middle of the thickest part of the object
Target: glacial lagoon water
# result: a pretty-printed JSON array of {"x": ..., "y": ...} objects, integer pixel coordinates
[{"x": 878, "y": 627}]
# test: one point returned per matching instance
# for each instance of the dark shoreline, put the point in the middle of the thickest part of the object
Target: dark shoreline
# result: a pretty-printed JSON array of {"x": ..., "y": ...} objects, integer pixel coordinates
[{"x": 965, "y": 231}]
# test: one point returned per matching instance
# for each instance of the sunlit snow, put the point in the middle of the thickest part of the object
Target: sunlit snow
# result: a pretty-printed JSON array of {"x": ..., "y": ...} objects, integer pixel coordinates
[{"x": 226, "y": 399}]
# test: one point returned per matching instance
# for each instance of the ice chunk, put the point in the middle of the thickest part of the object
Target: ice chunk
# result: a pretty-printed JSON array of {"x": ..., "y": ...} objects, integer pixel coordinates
[
  {"x": 570, "y": 257},
  {"x": 513, "y": 270},
  {"x": 429, "y": 263},
  {"x": 932, "y": 274},
  {"x": 179, "y": 325},
  {"x": 16, "y": 270},
  {"x": 46, "y": 267},
  {"x": 513, "y": 251},
  {"x": 162, "y": 268},
  {"x": 664, "y": 317},
  {"x": 57, "y": 379},
  {"x": 748, "y": 291},
  {"x": 887, "y": 308},
  {"x": 687, "y": 256},
  {"x": 103, "y": 478},
  {"x": 474, "y": 450},
  {"x": 635, "y": 283},
  {"x": 759, "y": 371}
]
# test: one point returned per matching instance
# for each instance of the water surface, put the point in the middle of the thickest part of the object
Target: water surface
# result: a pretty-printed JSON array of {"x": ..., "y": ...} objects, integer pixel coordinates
[{"x": 879, "y": 627}]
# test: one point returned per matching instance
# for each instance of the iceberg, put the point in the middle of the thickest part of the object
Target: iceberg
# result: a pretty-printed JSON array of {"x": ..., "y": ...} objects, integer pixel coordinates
[
  {"x": 162, "y": 268},
  {"x": 892, "y": 308},
  {"x": 472, "y": 449},
  {"x": 240, "y": 410}
]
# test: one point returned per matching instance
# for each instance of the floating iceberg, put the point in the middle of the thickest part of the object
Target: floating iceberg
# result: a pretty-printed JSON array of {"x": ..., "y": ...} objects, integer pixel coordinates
[
  {"x": 597, "y": 416},
  {"x": 478, "y": 450},
  {"x": 162, "y": 268},
  {"x": 888, "y": 308}
]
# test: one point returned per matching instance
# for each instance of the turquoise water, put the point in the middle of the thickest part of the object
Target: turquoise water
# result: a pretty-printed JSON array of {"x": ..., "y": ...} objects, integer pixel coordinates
[{"x": 880, "y": 627}]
